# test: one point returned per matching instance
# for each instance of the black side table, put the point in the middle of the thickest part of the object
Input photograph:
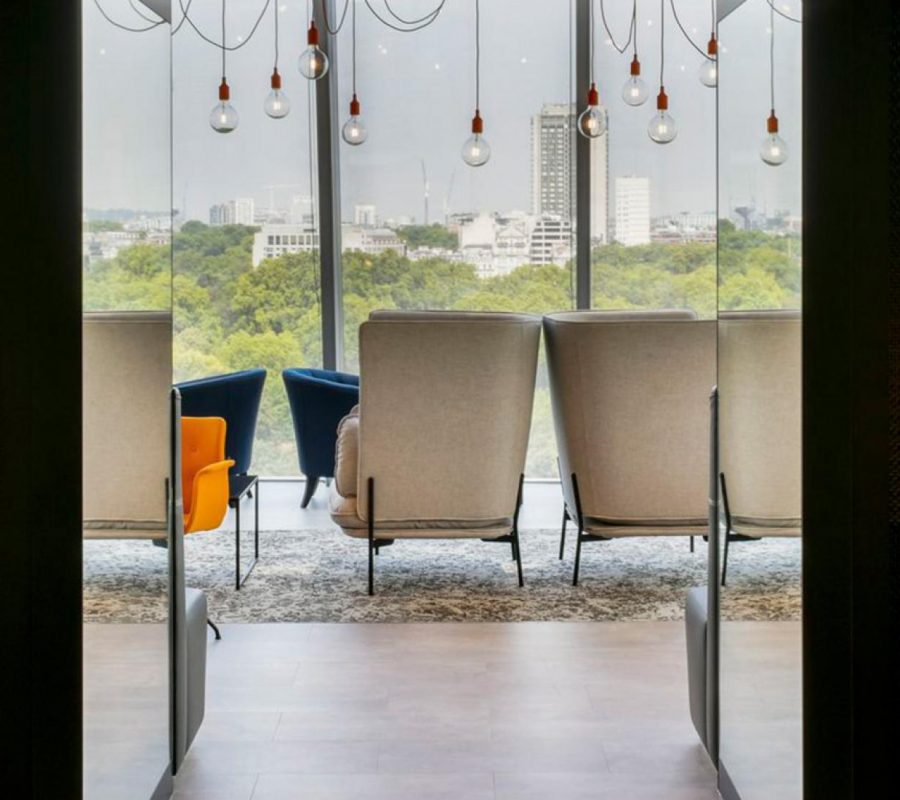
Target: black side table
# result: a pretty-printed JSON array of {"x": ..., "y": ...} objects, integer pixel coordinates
[{"x": 240, "y": 488}]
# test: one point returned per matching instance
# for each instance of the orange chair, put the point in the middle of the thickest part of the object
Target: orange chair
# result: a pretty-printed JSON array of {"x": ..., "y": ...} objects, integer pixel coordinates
[{"x": 204, "y": 473}]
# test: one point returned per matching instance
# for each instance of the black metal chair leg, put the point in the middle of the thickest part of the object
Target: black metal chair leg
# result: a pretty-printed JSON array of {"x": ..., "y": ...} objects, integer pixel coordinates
[
  {"x": 256, "y": 524},
  {"x": 312, "y": 482},
  {"x": 562, "y": 537},
  {"x": 519, "y": 560},
  {"x": 237, "y": 547},
  {"x": 371, "y": 514},
  {"x": 517, "y": 550},
  {"x": 725, "y": 556},
  {"x": 215, "y": 629},
  {"x": 723, "y": 488},
  {"x": 692, "y": 544},
  {"x": 577, "y": 559}
]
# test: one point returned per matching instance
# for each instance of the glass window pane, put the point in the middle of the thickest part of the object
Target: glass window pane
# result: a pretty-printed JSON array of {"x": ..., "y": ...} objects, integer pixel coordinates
[
  {"x": 760, "y": 406},
  {"x": 127, "y": 234},
  {"x": 653, "y": 225},
  {"x": 246, "y": 248},
  {"x": 422, "y": 229}
]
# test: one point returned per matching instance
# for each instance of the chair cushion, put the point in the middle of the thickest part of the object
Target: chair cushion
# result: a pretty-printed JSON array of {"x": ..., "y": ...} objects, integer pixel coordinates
[
  {"x": 344, "y": 512},
  {"x": 346, "y": 454},
  {"x": 660, "y": 527}
]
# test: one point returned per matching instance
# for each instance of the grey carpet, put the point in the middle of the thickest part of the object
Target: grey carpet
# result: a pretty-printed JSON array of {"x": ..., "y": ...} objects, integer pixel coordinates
[{"x": 320, "y": 576}]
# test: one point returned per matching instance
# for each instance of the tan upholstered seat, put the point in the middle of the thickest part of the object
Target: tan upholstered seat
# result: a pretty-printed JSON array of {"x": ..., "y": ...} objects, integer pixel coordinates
[
  {"x": 760, "y": 420},
  {"x": 444, "y": 415},
  {"x": 630, "y": 394}
]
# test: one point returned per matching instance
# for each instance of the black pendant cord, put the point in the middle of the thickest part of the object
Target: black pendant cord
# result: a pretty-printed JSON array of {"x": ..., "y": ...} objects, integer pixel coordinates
[
  {"x": 685, "y": 33},
  {"x": 353, "y": 48},
  {"x": 477, "y": 56},
  {"x": 181, "y": 22},
  {"x": 128, "y": 28},
  {"x": 275, "y": 7},
  {"x": 142, "y": 15},
  {"x": 205, "y": 38},
  {"x": 782, "y": 14},
  {"x": 223, "y": 41},
  {"x": 340, "y": 25},
  {"x": 405, "y": 21},
  {"x": 772, "y": 57},
  {"x": 425, "y": 21},
  {"x": 662, "y": 42},
  {"x": 635, "y": 27},
  {"x": 631, "y": 29},
  {"x": 591, "y": 46}
]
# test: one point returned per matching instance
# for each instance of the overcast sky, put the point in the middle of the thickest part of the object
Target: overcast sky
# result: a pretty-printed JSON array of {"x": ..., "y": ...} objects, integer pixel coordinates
[{"x": 417, "y": 92}]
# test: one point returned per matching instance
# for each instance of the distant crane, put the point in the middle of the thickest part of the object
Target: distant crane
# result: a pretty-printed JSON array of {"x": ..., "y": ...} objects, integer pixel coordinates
[
  {"x": 447, "y": 197},
  {"x": 425, "y": 189}
]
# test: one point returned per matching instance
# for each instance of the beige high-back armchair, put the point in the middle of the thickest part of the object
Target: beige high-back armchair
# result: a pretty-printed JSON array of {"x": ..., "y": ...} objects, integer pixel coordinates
[
  {"x": 760, "y": 414},
  {"x": 127, "y": 377},
  {"x": 437, "y": 446},
  {"x": 630, "y": 394}
]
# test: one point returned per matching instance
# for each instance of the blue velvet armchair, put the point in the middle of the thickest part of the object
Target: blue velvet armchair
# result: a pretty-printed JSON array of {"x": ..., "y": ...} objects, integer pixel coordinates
[
  {"x": 235, "y": 397},
  {"x": 319, "y": 399}
]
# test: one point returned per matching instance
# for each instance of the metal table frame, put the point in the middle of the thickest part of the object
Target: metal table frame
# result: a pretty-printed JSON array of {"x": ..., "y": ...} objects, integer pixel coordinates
[{"x": 240, "y": 488}]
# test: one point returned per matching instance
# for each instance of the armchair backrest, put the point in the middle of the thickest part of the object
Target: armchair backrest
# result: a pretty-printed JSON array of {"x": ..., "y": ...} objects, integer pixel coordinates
[
  {"x": 202, "y": 444},
  {"x": 445, "y": 412},
  {"x": 760, "y": 415},
  {"x": 630, "y": 394},
  {"x": 127, "y": 378},
  {"x": 235, "y": 397},
  {"x": 319, "y": 399}
]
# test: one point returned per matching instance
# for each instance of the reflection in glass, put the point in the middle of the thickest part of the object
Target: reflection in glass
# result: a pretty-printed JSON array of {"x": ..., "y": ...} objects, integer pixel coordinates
[
  {"x": 127, "y": 345},
  {"x": 246, "y": 249},
  {"x": 759, "y": 384}
]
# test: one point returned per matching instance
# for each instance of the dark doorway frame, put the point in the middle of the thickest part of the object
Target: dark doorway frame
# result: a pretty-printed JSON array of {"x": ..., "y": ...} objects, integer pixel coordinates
[
  {"x": 40, "y": 402},
  {"x": 850, "y": 293},
  {"x": 850, "y": 351}
]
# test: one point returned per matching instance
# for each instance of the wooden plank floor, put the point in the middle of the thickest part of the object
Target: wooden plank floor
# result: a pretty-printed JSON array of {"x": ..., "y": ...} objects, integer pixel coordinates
[{"x": 526, "y": 711}]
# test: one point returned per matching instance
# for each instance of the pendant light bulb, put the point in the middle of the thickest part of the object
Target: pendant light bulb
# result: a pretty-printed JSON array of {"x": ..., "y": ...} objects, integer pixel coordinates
[
  {"x": 354, "y": 132},
  {"x": 476, "y": 151},
  {"x": 592, "y": 121},
  {"x": 277, "y": 104},
  {"x": 223, "y": 118},
  {"x": 774, "y": 150},
  {"x": 313, "y": 63},
  {"x": 709, "y": 67},
  {"x": 635, "y": 91},
  {"x": 662, "y": 128}
]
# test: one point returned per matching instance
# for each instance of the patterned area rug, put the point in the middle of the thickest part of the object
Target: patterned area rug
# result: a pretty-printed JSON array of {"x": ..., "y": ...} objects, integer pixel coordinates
[{"x": 320, "y": 576}]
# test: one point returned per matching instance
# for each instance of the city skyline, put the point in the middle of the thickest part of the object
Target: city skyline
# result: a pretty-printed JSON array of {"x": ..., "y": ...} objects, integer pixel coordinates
[{"x": 435, "y": 105}]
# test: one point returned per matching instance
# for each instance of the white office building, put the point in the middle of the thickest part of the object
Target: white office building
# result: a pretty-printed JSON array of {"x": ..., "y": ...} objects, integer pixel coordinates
[
  {"x": 277, "y": 240},
  {"x": 371, "y": 240},
  {"x": 244, "y": 211},
  {"x": 553, "y": 169},
  {"x": 551, "y": 241},
  {"x": 241, "y": 211},
  {"x": 632, "y": 211}
]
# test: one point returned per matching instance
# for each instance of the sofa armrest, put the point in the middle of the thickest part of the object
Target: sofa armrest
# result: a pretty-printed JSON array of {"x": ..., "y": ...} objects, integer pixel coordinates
[{"x": 346, "y": 455}]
